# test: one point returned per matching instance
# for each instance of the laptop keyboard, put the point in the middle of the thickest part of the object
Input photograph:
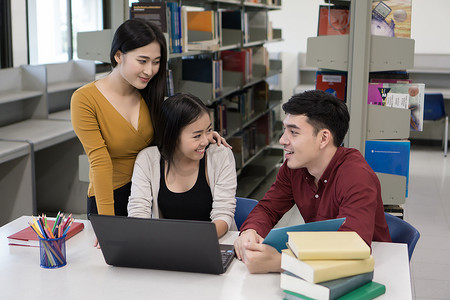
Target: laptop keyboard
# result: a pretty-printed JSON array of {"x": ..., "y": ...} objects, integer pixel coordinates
[{"x": 227, "y": 257}]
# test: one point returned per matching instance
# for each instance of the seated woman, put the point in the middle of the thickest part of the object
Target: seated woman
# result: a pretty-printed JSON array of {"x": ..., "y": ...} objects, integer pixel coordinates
[{"x": 184, "y": 177}]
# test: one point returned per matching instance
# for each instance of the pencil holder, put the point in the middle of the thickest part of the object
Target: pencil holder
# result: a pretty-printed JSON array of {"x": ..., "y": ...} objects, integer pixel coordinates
[{"x": 53, "y": 252}]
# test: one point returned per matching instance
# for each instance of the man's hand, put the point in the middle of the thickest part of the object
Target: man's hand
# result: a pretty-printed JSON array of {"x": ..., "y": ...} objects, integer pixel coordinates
[
  {"x": 249, "y": 235},
  {"x": 258, "y": 257},
  {"x": 262, "y": 258}
]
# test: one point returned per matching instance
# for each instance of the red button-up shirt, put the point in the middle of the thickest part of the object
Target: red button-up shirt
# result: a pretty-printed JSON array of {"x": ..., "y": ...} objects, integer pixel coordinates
[{"x": 348, "y": 188}]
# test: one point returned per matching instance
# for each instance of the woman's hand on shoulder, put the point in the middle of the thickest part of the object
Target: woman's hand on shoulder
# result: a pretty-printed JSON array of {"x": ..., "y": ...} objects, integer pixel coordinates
[{"x": 216, "y": 138}]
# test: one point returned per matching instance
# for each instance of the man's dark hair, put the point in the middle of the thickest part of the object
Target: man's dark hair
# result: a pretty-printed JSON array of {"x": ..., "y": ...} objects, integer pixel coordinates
[{"x": 324, "y": 111}]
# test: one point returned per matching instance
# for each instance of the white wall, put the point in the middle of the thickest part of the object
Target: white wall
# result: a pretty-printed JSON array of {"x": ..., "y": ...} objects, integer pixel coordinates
[
  {"x": 430, "y": 25},
  {"x": 298, "y": 20},
  {"x": 19, "y": 32}
]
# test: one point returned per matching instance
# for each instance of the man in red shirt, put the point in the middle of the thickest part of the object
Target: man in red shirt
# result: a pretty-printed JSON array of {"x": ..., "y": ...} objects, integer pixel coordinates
[{"x": 324, "y": 179}]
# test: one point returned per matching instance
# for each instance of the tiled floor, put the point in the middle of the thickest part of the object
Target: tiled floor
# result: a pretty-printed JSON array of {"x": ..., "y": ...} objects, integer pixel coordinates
[{"x": 428, "y": 209}]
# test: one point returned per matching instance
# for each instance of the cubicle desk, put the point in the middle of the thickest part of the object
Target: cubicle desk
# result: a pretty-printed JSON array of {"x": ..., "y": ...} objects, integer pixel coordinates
[{"x": 86, "y": 275}]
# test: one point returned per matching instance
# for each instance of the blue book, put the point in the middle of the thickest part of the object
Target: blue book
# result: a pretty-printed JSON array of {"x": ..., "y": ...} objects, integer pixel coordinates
[
  {"x": 278, "y": 237},
  {"x": 390, "y": 157},
  {"x": 175, "y": 34}
]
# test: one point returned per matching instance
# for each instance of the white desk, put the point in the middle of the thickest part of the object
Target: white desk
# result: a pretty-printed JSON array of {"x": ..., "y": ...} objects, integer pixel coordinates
[{"x": 87, "y": 276}]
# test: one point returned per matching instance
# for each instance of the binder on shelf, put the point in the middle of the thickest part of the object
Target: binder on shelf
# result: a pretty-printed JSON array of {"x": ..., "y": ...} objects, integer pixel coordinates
[{"x": 389, "y": 157}]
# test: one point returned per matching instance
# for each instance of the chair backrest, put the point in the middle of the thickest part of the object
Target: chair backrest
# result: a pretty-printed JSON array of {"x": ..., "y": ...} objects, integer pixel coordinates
[
  {"x": 243, "y": 207},
  {"x": 402, "y": 232},
  {"x": 434, "y": 108}
]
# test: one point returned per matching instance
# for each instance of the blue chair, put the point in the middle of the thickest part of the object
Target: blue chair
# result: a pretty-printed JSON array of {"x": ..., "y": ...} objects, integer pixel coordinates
[
  {"x": 243, "y": 207},
  {"x": 434, "y": 110},
  {"x": 402, "y": 232}
]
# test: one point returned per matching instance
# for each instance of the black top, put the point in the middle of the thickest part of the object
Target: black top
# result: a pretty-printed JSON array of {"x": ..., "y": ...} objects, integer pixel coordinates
[{"x": 195, "y": 204}]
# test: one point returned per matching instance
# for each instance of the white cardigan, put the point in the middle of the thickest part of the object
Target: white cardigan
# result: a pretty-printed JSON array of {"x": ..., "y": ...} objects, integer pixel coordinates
[{"x": 221, "y": 167}]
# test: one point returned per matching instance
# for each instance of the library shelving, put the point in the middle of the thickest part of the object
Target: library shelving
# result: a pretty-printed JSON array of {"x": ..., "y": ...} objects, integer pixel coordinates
[
  {"x": 39, "y": 150},
  {"x": 359, "y": 53},
  {"x": 242, "y": 103}
]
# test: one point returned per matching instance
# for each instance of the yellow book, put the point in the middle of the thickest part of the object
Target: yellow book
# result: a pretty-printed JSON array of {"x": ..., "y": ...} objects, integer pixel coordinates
[
  {"x": 307, "y": 245},
  {"x": 316, "y": 271}
]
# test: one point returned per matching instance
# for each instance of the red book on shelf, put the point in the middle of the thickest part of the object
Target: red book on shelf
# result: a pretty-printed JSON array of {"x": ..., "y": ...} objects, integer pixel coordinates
[
  {"x": 27, "y": 237},
  {"x": 333, "y": 20}
]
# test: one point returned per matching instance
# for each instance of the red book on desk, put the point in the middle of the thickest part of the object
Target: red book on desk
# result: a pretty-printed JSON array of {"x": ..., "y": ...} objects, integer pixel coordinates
[{"x": 27, "y": 237}]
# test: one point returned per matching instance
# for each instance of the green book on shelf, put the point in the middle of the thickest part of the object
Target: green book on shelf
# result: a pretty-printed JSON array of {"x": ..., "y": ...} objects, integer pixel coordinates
[{"x": 368, "y": 291}]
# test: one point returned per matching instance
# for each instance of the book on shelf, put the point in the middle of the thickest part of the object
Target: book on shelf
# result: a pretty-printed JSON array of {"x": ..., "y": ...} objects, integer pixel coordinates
[
  {"x": 334, "y": 83},
  {"x": 165, "y": 15},
  {"x": 170, "y": 90},
  {"x": 278, "y": 237},
  {"x": 333, "y": 20},
  {"x": 401, "y": 95},
  {"x": 237, "y": 142},
  {"x": 368, "y": 291},
  {"x": 390, "y": 80},
  {"x": 203, "y": 70},
  {"x": 239, "y": 61},
  {"x": 260, "y": 62},
  {"x": 398, "y": 75},
  {"x": 260, "y": 97},
  {"x": 322, "y": 245},
  {"x": 232, "y": 19},
  {"x": 297, "y": 288},
  {"x": 184, "y": 28},
  {"x": 317, "y": 271},
  {"x": 221, "y": 119},
  {"x": 175, "y": 27},
  {"x": 263, "y": 131},
  {"x": 391, "y": 18},
  {"x": 27, "y": 237},
  {"x": 156, "y": 12},
  {"x": 202, "y": 30},
  {"x": 389, "y": 157}
]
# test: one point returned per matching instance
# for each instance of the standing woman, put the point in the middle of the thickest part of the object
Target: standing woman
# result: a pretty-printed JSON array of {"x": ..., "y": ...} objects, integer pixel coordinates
[{"x": 115, "y": 117}]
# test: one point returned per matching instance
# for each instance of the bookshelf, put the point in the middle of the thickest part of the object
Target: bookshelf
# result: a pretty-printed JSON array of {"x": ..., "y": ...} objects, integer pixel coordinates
[
  {"x": 359, "y": 53},
  {"x": 253, "y": 128},
  {"x": 38, "y": 145}
]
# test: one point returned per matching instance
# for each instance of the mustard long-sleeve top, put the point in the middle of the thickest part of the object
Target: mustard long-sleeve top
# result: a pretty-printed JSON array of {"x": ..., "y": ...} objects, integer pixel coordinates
[{"x": 110, "y": 142}]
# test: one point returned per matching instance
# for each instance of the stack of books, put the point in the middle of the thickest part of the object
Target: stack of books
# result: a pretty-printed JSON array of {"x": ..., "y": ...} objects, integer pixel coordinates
[{"x": 328, "y": 265}]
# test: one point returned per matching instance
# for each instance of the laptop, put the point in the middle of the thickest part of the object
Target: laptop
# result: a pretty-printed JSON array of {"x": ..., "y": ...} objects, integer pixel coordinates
[{"x": 163, "y": 244}]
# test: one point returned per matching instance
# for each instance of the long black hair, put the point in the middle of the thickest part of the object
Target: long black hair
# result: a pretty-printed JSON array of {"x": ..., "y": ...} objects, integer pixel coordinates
[
  {"x": 177, "y": 112},
  {"x": 137, "y": 33}
]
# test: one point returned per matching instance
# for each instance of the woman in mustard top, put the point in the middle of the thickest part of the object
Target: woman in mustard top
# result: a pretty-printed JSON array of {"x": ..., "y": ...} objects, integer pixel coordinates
[{"x": 115, "y": 117}]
